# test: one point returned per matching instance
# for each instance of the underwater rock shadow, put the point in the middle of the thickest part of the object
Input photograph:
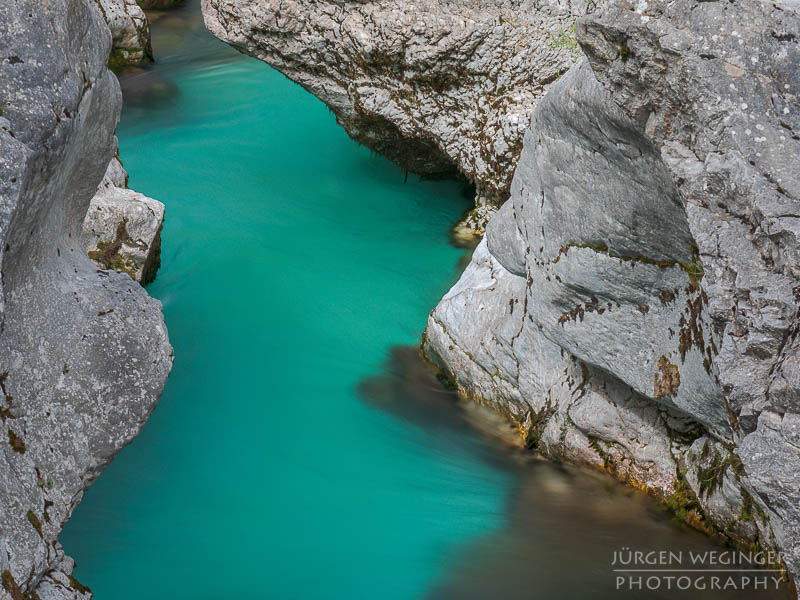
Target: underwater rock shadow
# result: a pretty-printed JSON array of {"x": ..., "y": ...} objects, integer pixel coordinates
[
  {"x": 409, "y": 390},
  {"x": 564, "y": 523}
]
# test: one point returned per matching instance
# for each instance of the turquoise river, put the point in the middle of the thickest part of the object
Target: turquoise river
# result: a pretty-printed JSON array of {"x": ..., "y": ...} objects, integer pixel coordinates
[{"x": 300, "y": 449}]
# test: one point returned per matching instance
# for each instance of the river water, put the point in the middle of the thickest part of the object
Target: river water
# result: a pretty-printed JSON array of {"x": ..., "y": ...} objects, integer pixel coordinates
[{"x": 301, "y": 449}]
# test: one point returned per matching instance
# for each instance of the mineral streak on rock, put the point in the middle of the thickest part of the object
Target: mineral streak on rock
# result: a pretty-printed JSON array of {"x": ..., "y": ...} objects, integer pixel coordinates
[{"x": 84, "y": 353}]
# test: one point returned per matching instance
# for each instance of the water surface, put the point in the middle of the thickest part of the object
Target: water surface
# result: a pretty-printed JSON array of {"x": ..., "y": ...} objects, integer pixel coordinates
[{"x": 300, "y": 449}]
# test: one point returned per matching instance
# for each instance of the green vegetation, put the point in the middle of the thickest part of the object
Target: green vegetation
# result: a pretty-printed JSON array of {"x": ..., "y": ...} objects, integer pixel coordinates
[
  {"x": 684, "y": 502},
  {"x": 11, "y": 586},
  {"x": 35, "y": 522},
  {"x": 16, "y": 442},
  {"x": 78, "y": 586},
  {"x": 594, "y": 444},
  {"x": 694, "y": 269},
  {"x": 711, "y": 477},
  {"x": 566, "y": 40},
  {"x": 107, "y": 254},
  {"x": 538, "y": 422},
  {"x": 624, "y": 51}
]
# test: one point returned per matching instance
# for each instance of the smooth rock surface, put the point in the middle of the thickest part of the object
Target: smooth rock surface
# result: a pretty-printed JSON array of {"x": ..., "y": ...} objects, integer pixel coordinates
[
  {"x": 434, "y": 85},
  {"x": 83, "y": 353},
  {"x": 635, "y": 303}
]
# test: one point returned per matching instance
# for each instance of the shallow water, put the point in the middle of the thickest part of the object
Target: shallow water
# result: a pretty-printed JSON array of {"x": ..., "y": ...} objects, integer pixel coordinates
[{"x": 301, "y": 449}]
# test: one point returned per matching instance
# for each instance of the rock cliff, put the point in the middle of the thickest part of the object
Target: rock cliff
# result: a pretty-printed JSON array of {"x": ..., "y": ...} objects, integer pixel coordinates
[
  {"x": 435, "y": 85},
  {"x": 635, "y": 303},
  {"x": 84, "y": 353}
]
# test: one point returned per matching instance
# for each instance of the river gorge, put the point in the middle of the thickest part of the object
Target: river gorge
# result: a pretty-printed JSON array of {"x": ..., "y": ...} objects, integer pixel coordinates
[
  {"x": 301, "y": 448},
  {"x": 508, "y": 310}
]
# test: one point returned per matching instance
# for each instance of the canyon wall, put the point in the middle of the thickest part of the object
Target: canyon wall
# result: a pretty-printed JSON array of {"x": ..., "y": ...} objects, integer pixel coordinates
[
  {"x": 84, "y": 353},
  {"x": 634, "y": 305},
  {"x": 130, "y": 33}
]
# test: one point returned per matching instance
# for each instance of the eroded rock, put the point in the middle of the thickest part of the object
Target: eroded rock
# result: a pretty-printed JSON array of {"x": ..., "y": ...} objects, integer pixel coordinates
[
  {"x": 122, "y": 231},
  {"x": 436, "y": 86},
  {"x": 84, "y": 354},
  {"x": 130, "y": 33},
  {"x": 635, "y": 303},
  {"x": 122, "y": 228}
]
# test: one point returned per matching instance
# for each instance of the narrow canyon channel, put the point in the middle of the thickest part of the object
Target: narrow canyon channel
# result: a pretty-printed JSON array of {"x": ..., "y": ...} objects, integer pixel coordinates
[{"x": 301, "y": 449}]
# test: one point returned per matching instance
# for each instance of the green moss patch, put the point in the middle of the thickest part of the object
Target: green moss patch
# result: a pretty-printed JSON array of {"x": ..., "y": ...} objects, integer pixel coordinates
[
  {"x": 107, "y": 254},
  {"x": 16, "y": 442},
  {"x": 35, "y": 522},
  {"x": 10, "y": 585},
  {"x": 78, "y": 586}
]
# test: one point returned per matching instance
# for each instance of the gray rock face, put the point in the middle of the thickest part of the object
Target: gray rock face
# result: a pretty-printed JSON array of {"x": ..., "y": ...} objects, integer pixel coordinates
[
  {"x": 83, "y": 353},
  {"x": 434, "y": 85},
  {"x": 130, "y": 32},
  {"x": 635, "y": 303}
]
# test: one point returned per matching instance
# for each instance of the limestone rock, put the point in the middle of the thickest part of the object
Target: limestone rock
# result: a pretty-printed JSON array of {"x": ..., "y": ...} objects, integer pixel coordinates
[
  {"x": 122, "y": 228},
  {"x": 116, "y": 175},
  {"x": 635, "y": 302},
  {"x": 122, "y": 231},
  {"x": 434, "y": 85},
  {"x": 130, "y": 32},
  {"x": 84, "y": 354}
]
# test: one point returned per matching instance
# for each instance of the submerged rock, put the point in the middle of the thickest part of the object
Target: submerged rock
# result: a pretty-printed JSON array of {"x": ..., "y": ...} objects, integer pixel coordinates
[
  {"x": 158, "y": 4},
  {"x": 635, "y": 303},
  {"x": 84, "y": 354},
  {"x": 436, "y": 86}
]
